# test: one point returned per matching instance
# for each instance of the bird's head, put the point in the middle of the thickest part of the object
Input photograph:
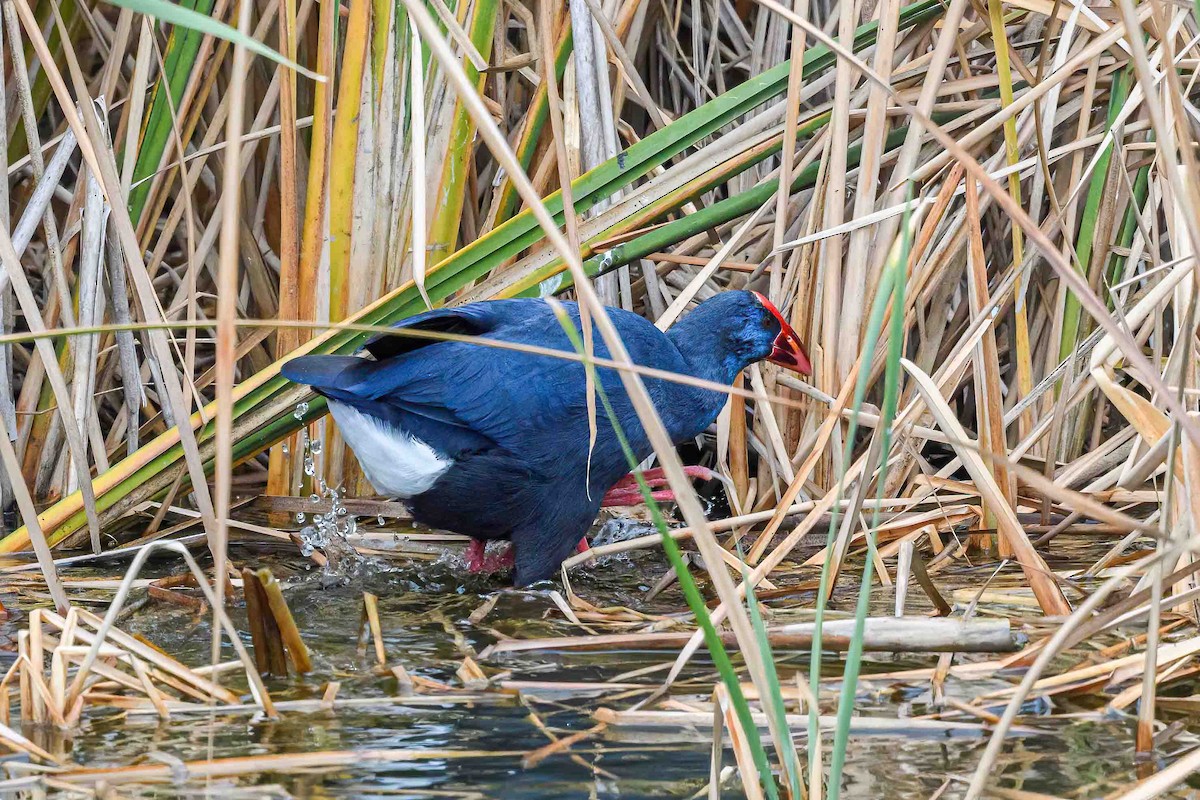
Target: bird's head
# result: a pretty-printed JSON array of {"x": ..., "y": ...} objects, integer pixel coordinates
[
  {"x": 786, "y": 349},
  {"x": 746, "y": 327}
]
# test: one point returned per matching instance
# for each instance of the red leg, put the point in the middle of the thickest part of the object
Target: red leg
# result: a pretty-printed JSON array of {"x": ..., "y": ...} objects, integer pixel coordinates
[
  {"x": 499, "y": 561},
  {"x": 583, "y": 546},
  {"x": 479, "y": 561},
  {"x": 476, "y": 556}
]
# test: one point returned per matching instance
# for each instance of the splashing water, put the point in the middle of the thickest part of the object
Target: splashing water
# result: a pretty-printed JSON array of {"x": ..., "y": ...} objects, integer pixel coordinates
[{"x": 329, "y": 532}]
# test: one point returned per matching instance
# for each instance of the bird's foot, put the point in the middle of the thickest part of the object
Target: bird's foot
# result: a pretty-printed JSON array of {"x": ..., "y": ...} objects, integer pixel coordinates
[
  {"x": 632, "y": 497},
  {"x": 475, "y": 555},
  {"x": 627, "y": 493},
  {"x": 480, "y": 561},
  {"x": 656, "y": 478}
]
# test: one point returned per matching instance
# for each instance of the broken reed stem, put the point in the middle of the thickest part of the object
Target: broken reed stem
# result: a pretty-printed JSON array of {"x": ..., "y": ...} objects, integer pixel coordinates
[
  {"x": 288, "y": 631},
  {"x": 371, "y": 622},
  {"x": 269, "y": 655}
]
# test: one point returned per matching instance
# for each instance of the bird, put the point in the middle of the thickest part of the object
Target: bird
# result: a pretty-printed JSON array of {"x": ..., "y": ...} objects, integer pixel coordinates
[{"x": 495, "y": 442}]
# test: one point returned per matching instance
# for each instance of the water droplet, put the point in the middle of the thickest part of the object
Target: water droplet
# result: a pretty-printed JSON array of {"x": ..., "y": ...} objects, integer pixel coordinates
[
  {"x": 329, "y": 531},
  {"x": 301, "y": 410},
  {"x": 315, "y": 447},
  {"x": 287, "y": 451},
  {"x": 380, "y": 520},
  {"x": 300, "y": 517}
]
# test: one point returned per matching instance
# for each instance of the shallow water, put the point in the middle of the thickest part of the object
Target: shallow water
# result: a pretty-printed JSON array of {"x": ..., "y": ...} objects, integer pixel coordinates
[{"x": 425, "y": 610}]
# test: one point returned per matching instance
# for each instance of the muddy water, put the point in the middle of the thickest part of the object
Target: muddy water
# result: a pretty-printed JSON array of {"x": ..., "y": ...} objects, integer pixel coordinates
[{"x": 425, "y": 609}]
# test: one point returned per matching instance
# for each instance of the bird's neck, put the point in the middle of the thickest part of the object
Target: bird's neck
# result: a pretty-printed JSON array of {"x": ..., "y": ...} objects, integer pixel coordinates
[
  {"x": 693, "y": 409},
  {"x": 695, "y": 338}
]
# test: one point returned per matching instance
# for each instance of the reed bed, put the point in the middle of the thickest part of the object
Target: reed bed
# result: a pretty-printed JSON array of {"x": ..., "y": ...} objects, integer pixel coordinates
[{"x": 980, "y": 215}]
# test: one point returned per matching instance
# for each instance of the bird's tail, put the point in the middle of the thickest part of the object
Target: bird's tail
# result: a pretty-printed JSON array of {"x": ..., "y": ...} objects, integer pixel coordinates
[{"x": 323, "y": 373}]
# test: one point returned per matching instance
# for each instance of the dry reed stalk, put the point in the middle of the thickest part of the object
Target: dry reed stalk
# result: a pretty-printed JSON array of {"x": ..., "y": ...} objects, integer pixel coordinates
[
  {"x": 48, "y": 698},
  {"x": 231, "y": 767},
  {"x": 1049, "y": 292},
  {"x": 884, "y": 634},
  {"x": 700, "y": 720}
]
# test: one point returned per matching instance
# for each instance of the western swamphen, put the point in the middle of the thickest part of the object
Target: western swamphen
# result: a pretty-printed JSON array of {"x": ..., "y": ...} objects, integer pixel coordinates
[{"x": 493, "y": 443}]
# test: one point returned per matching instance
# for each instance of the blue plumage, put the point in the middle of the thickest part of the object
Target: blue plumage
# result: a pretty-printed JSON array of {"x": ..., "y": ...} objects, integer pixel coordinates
[{"x": 509, "y": 429}]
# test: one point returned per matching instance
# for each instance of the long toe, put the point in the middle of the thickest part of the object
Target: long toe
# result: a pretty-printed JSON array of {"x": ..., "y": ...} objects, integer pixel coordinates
[
  {"x": 632, "y": 497},
  {"x": 628, "y": 482},
  {"x": 699, "y": 473},
  {"x": 691, "y": 470},
  {"x": 621, "y": 497},
  {"x": 655, "y": 478}
]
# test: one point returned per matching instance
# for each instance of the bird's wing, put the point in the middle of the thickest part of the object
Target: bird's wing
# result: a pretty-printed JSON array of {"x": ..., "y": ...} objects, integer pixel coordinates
[
  {"x": 327, "y": 373},
  {"x": 468, "y": 396},
  {"x": 459, "y": 396},
  {"x": 519, "y": 402},
  {"x": 530, "y": 404},
  {"x": 473, "y": 319}
]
